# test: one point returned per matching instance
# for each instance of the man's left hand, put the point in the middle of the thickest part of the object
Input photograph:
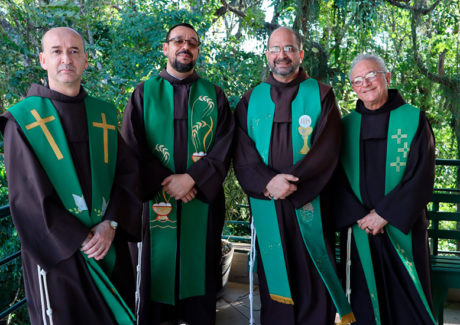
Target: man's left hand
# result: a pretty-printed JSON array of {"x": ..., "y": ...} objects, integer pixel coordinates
[
  {"x": 189, "y": 196},
  {"x": 178, "y": 185},
  {"x": 372, "y": 223},
  {"x": 99, "y": 244}
]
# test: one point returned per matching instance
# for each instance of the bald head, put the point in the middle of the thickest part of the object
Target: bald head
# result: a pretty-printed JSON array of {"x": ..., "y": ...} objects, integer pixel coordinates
[
  {"x": 61, "y": 31},
  {"x": 64, "y": 59},
  {"x": 284, "y": 54},
  {"x": 287, "y": 30}
]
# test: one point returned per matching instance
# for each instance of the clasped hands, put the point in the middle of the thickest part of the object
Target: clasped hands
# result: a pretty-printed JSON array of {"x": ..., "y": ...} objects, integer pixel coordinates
[
  {"x": 180, "y": 187},
  {"x": 280, "y": 186},
  {"x": 96, "y": 245},
  {"x": 372, "y": 223}
]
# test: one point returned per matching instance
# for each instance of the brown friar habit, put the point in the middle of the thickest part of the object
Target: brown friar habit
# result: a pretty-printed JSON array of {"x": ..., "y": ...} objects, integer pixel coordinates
[
  {"x": 312, "y": 303},
  {"x": 404, "y": 208},
  {"x": 208, "y": 174},
  {"x": 50, "y": 236}
]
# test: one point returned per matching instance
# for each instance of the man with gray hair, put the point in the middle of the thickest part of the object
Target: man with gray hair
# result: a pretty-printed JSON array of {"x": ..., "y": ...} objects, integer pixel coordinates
[
  {"x": 72, "y": 194},
  {"x": 288, "y": 143},
  {"x": 382, "y": 188}
]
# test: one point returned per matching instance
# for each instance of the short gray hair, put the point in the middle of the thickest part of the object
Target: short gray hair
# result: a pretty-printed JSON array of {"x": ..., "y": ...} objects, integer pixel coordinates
[{"x": 371, "y": 57}]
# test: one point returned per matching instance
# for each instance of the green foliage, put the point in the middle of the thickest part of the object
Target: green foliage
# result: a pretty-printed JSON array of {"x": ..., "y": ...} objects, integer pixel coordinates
[
  {"x": 124, "y": 45},
  {"x": 11, "y": 289},
  {"x": 236, "y": 201},
  {"x": 254, "y": 19}
]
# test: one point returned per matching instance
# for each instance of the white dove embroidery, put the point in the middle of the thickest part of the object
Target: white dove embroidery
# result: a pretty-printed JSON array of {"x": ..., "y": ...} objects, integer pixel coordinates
[{"x": 80, "y": 202}]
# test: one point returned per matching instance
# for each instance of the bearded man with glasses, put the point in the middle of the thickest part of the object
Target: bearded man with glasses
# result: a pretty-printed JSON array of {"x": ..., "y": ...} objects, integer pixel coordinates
[
  {"x": 381, "y": 189},
  {"x": 181, "y": 128},
  {"x": 288, "y": 144}
]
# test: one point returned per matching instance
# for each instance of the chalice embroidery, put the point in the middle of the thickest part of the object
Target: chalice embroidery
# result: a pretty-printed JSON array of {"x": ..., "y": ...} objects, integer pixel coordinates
[
  {"x": 305, "y": 130},
  {"x": 197, "y": 156},
  {"x": 162, "y": 209}
]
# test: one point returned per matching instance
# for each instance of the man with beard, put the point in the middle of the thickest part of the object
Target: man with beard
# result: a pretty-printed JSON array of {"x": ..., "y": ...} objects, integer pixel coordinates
[
  {"x": 181, "y": 128},
  {"x": 288, "y": 143},
  {"x": 382, "y": 189},
  {"x": 70, "y": 185}
]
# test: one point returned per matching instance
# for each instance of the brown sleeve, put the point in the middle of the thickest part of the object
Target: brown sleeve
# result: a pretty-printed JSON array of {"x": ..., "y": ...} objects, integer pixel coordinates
[
  {"x": 46, "y": 229},
  {"x": 252, "y": 173},
  {"x": 150, "y": 170},
  {"x": 124, "y": 206}
]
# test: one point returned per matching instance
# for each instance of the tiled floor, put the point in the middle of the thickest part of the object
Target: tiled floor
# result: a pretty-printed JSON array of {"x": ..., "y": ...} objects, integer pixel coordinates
[
  {"x": 233, "y": 307},
  {"x": 451, "y": 314}
]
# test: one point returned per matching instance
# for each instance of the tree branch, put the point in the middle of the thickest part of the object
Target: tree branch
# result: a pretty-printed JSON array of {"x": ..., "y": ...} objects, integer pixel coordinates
[
  {"x": 416, "y": 9},
  {"x": 339, "y": 40},
  {"x": 442, "y": 59},
  {"x": 93, "y": 52},
  {"x": 276, "y": 11},
  {"x": 233, "y": 9},
  {"x": 270, "y": 27},
  {"x": 453, "y": 83},
  {"x": 220, "y": 12},
  {"x": 90, "y": 37}
]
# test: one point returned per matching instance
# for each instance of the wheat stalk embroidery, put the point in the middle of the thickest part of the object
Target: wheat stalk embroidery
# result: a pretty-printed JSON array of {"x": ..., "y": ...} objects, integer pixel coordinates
[
  {"x": 164, "y": 153},
  {"x": 201, "y": 124}
]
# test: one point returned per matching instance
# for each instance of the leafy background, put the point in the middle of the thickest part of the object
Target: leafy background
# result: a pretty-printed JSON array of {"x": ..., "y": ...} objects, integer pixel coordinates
[{"x": 419, "y": 40}]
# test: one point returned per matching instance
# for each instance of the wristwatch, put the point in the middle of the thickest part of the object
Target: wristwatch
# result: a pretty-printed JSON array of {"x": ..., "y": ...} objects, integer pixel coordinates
[{"x": 113, "y": 224}]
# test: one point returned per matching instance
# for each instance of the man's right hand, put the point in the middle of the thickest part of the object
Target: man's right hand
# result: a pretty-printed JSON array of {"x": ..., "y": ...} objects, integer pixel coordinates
[
  {"x": 97, "y": 243},
  {"x": 280, "y": 186}
]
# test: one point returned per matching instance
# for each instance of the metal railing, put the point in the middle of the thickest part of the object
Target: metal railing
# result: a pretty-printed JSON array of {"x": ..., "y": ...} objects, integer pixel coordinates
[
  {"x": 4, "y": 212},
  {"x": 246, "y": 225}
]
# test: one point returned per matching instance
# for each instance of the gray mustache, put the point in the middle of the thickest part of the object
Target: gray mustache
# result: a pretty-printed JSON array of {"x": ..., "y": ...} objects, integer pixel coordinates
[{"x": 66, "y": 67}]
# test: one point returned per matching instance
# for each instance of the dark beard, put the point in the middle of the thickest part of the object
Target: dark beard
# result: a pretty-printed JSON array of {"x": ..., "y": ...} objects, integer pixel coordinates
[
  {"x": 182, "y": 67},
  {"x": 285, "y": 73}
]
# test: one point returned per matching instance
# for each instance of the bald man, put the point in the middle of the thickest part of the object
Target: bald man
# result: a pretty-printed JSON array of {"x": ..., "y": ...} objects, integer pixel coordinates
[
  {"x": 72, "y": 194},
  {"x": 287, "y": 146}
]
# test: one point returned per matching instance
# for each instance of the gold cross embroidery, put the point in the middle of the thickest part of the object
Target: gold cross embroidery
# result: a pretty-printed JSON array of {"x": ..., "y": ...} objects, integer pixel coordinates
[
  {"x": 399, "y": 136},
  {"x": 42, "y": 123},
  {"x": 404, "y": 150},
  {"x": 105, "y": 128},
  {"x": 398, "y": 163}
]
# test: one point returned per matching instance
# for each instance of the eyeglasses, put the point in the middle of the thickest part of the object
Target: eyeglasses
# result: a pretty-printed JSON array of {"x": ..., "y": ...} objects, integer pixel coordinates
[
  {"x": 179, "y": 41},
  {"x": 277, "y": 49},
  {"x": 370, "y": 77}
]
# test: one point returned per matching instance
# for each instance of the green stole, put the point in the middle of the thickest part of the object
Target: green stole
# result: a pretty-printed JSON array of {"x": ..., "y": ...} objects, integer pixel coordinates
[
  {"x": 402, "y": 127},
  {"x": 159, "y": 129},
  {"x": 41, "y": 124},
  {"x": 306, "y": 109}
]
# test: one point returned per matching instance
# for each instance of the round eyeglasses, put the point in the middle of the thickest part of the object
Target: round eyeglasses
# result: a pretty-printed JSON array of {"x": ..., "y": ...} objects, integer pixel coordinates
[
  {"x": 179, "y": 42},
  {"x": 370, "y": 77},
  {"x": 287, "y": 49}
]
